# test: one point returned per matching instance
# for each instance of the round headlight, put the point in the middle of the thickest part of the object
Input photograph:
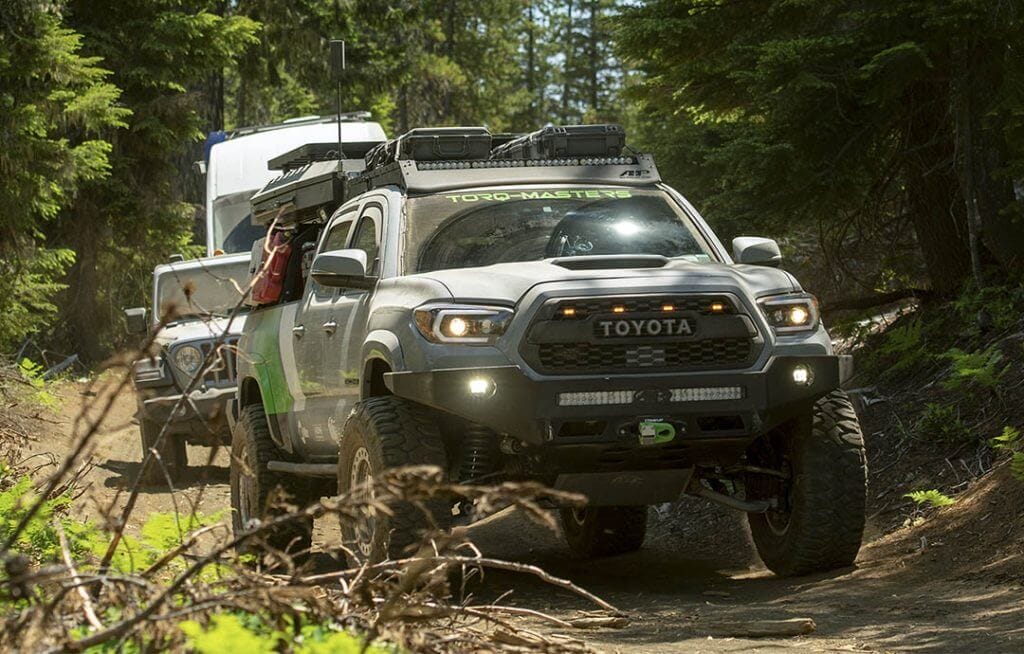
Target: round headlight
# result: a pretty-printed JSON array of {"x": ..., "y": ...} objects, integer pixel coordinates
[{"x": 188, "y": 359}]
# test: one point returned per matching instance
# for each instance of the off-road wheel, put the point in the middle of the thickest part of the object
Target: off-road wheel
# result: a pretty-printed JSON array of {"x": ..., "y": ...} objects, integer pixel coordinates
[
  {"x": 380, "y": 434},
  {"x": 173, "y": 454},
  {"x": 254, "y": 489},
  {"x": 819, "y": 521},
  {"x": 604, "y": 530}
]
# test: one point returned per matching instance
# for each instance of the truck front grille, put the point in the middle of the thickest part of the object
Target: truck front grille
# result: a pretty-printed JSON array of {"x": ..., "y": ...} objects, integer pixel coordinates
[
  {"x": 222, "y": 370},
  {"x": 566, "y": 336}
]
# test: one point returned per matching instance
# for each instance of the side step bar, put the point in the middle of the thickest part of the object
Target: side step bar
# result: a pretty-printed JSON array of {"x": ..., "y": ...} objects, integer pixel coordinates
[{"x": 304, "y": 469}]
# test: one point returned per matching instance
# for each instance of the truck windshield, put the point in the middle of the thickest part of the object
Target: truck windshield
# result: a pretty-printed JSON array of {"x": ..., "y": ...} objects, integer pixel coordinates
[
  {"x": 233, "y": 229},
  {"x": 482, "y": 227},
  {"x": 210, "y": 290}
]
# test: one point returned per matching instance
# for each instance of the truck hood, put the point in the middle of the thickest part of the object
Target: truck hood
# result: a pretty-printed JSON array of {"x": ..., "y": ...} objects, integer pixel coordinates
[
  {"x": 506, "y": 283},
  {"x": 198, "y": 329}
]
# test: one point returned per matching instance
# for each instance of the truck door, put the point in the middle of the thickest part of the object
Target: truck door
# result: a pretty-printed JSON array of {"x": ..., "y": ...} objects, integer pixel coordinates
[
  {"x": 312, "y": 336},
  {"x": 349, "y": 312}
]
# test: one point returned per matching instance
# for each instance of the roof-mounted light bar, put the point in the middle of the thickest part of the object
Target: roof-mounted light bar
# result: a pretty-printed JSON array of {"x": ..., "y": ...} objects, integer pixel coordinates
[{"x": 525, "y": 163}]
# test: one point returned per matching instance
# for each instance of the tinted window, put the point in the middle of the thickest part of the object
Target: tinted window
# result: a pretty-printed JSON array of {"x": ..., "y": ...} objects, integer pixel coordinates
[{"x": 337, "y": 238}]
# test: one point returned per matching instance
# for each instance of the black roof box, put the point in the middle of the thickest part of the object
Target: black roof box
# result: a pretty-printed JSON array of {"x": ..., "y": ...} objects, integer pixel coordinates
[
  {"x": 555, "y": 142},
  {"x": 433, "y": 144},
  {"x": 310, "y": 152}
]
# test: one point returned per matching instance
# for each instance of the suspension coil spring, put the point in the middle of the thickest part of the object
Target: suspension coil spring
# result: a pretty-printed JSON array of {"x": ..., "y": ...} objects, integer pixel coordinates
[{"x": 478, "y": 456}]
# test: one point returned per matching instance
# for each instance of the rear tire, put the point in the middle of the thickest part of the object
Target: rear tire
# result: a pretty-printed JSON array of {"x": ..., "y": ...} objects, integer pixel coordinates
[
  {"x": 173, "y": 454},
  {"x": 604, "y": 530},
  {"x": 820, "y": 521},
  {"x": 384, "y": 433},
  {"x": 252, "y": 486}
]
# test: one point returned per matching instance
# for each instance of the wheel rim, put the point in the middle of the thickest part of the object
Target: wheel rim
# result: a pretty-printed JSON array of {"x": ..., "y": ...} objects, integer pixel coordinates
[{"x": 365, "y": 525}]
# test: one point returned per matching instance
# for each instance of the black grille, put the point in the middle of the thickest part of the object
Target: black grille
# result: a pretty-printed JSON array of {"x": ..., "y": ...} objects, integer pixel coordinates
[
  {"x": 570, "y": 336},
  {"x": 222, "y": 368},
  {"x": 642, "y": 304},
  {"x": 589, "y": 357}
]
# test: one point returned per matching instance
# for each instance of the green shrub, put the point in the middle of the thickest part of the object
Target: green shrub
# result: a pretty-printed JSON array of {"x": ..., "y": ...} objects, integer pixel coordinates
[
  {"x": 904, "y": 348},
  {"x": 982, "y": 369},
  {"x": 942, "y": 422}
]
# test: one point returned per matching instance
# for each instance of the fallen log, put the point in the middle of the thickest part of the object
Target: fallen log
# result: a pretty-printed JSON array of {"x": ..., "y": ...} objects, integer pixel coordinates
[{"x": 756, "y": 628}]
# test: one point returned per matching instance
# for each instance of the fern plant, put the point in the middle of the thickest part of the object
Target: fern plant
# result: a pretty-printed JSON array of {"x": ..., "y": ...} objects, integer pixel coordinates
[
  {"x": 981, "y": 369},
  {"x": 1011, "y": 441},
  {"x": 933, "y": 498}
]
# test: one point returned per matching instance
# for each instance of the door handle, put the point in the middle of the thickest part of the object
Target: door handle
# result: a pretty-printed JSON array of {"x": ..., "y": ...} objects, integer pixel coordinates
[
  {"x": 298, "y": 331},
  {"x": 330, "y": 327}
]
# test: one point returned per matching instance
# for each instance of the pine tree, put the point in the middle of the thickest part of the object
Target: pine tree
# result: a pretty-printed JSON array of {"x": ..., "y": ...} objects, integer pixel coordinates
[{"x": 54, "y": 104}]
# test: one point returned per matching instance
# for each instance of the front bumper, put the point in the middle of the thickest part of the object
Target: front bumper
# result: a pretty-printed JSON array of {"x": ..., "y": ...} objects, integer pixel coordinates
[
  {"x": 529, "y": 409},
  {"x": 202, "y": 415}
]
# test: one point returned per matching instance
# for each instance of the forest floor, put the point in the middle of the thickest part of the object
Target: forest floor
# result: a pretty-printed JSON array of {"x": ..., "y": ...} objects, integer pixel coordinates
[{"x": 950, "y": 581}]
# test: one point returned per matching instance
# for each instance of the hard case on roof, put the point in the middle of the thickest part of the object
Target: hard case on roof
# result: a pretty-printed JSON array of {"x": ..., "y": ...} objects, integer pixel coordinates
[{"x": 565, "y": 141}]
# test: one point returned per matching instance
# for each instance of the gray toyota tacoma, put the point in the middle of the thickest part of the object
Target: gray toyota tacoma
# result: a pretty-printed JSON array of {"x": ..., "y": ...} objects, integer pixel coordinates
[
  {"x": 548, "y": 310},
  {"x": 196, "y": 299}
]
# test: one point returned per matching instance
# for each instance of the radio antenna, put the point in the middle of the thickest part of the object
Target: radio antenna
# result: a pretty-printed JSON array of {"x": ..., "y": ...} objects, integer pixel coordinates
[{"x": 338, "y": 74}]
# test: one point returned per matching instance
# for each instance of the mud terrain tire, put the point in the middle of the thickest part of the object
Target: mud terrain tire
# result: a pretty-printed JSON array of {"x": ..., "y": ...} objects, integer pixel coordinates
[
  {"x": 252, "y": 485},
  {"x": 604, "y": 530},
  {"x": 173, "y": 454},
  {"x": 826, "y": 493},
  {"x": 383, "y": 433}
]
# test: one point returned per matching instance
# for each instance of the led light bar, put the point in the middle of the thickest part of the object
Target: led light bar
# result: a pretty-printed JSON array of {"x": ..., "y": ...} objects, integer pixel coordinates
[
  {"x": 524, "y": 163},
  {"x": 596, "y": 398},
  {"x": 706, "y": 394},
  {"x": 600, "y": 398}
]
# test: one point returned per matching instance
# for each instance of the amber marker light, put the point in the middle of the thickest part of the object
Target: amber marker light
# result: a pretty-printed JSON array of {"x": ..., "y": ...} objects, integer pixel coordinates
[
  {"x": 717, "y": 307},
  {"x": 569, "y": 312},
  {"x": 668, "y": 307},
  {"x": 619, "y": 309}
]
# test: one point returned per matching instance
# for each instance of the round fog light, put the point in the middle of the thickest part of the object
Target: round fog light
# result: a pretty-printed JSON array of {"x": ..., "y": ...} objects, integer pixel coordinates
[
  {"x": 481, "y": 387},
  {"x": 802, "y": 375}
]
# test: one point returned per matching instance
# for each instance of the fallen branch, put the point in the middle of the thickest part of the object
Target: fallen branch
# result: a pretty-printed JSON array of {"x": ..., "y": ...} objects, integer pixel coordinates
[{"x": 757, "y": 628}]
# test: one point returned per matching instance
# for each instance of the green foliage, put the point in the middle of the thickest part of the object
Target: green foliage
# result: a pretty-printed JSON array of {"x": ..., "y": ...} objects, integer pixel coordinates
[
  {"x": 54, "y": 103},
  {"x": 246, "y": 633},
  {"x": 979, "y": 369},
  {"x": 39, "y": 539},
  {"x": 1010, "y": 440},
  {"x": 33, "y": 374},
  {"x": 942, "y": 422},
  {"x": 728, "y": 90},
  {"x": 904, "y": 348},
  {"x": 161, "y": 533},
  {"x": 932, "y": 498}
]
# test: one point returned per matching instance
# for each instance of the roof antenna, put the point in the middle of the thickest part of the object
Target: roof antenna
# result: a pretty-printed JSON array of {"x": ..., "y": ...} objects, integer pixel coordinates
[{"x": 337, "y": 74}]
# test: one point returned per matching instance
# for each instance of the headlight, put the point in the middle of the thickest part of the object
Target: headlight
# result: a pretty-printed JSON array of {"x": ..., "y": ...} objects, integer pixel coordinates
[
  {"x": 791, "y": 313},
  {"x": 462, "y": 324},
  {"x": 188, "y": 359}
]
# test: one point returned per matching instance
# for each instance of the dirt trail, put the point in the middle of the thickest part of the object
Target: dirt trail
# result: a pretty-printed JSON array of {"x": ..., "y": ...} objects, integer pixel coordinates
[{"x": 933, "y": 588}]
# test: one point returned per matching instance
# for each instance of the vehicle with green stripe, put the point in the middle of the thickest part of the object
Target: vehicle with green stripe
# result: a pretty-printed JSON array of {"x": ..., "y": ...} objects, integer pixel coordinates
[{"x": 542, "y": 310}]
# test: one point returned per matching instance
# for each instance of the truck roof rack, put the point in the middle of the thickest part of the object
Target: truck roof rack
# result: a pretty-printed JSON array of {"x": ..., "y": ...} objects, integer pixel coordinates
[{"x": 433, "y": 176}]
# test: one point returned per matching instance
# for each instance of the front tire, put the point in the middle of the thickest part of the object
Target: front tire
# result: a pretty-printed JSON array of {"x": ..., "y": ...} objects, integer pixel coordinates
[
  {"x": 819, "y": 523},
  {"x": 173, "y": 452},
  {"x": 253, "y": 487},
  {"x": 604, "y": 530},
  {"x": 380, "y": 434}
]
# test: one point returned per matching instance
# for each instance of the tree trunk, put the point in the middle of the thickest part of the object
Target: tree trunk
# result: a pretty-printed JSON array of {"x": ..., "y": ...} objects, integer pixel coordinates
[
  {"x": 567, "y": 70},
  {"x": 594, "y": 64},
  {"x": 81, "y": 321},
  {"x": 531, "y": 64}
]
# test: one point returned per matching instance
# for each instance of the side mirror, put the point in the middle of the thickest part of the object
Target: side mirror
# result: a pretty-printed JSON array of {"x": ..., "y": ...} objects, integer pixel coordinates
[
  {"x": 756, "y": 251},
  {"x": 136, "y": 319},
  {"x": 341, "y": 268}
]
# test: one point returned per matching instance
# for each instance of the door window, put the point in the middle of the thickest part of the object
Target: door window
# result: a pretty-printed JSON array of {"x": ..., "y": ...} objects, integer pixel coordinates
[
  {"x": 366, "y": 237},
  {"x": 337, "y": 236}
]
